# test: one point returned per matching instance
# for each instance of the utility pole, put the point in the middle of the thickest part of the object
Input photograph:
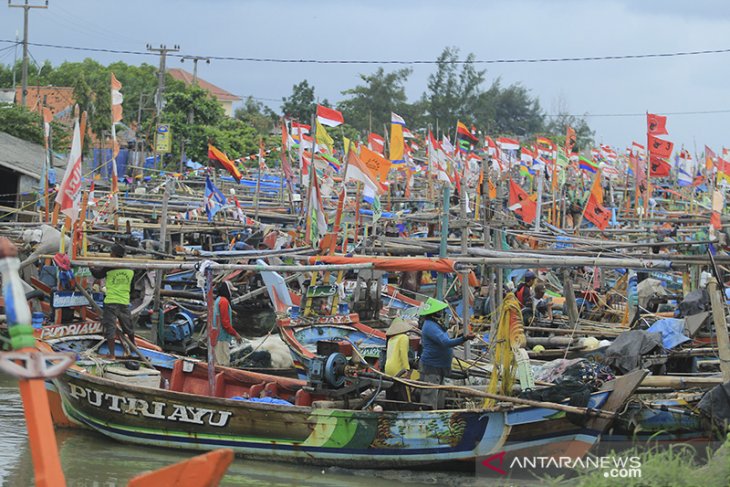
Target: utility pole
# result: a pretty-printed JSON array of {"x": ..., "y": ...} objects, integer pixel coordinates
[
  {"x": 26, "y": 7},
  {"x": 195, "y": 60},
  {"x": 163, "y": 50},
  {"x": 191, "y": 114}
]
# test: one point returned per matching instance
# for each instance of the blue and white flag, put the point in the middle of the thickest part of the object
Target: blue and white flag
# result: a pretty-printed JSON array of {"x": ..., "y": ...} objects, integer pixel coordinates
[{"x": 214, "y": 199}]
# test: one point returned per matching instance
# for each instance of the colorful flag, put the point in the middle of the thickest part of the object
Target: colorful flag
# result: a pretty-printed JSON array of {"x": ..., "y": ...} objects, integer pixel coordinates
[
  {"x": 463, "y": 132},
  {"x": 658, "y": 167},
  {"x": 358, "y": 171},
  {"x": 214, "y": 199},
  {"x": 656, "y": 124},
  {"x": 285, "y": 164},
  {"x": 570, "y": 140},
  {"x": 378, "y": 165},
  {"x": 595, "y": 213},
  {"x": 659, "y": 147},
  {"x": 323, "y": 138},
  {"x": 505, "y": 143},
  {"x": 318, "y": 218},
  {"x": 710, "y": 158},
  {"x": 376, "y": 143},
  {"x": 597, "y": 188},
  {"x": 117, "y": 99},
  {"x": 329, "y": 116},
  {"x": 718, "y": 202},
  {"x": 396, "y": 139},
  {"x": 70, "y": 189},
  {"x": 521, "y": 203},
  {"x": 586, "y": 164},
  {"x": 216, "y": 155}
]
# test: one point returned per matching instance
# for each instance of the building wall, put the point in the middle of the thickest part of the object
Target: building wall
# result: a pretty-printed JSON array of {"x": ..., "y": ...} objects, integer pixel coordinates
[{"x": 227, "y": 107}]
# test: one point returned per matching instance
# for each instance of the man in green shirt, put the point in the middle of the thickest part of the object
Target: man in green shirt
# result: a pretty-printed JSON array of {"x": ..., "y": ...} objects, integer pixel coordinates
[{"x": 116, "y": 301}]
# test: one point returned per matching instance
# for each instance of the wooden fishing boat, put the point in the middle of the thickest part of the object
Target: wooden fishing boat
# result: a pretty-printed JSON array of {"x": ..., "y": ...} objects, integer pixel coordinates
[
  {"x": 302, "y": 336},
  {"x": 186, "y": 416}
]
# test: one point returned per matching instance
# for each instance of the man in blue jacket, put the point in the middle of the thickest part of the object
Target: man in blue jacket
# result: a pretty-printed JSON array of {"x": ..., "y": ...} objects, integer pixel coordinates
[{"x": 436, "y": 348}]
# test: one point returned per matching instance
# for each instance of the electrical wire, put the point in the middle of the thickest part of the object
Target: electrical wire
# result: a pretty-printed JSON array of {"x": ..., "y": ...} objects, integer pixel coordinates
[{"x": 618, "y": 57}]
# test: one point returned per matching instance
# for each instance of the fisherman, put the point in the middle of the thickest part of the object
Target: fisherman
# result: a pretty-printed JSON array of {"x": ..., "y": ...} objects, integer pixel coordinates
[
  {"x": 410, "y": 282},
  {"x": 524, "y": 289},
  {"x": 119, "y": 283},
  {"x": 396, "y": 358},
  {"x": 436, "y": 348},
  {"x": 222, "y": 325},
  {"x": 541, "y": 305}
]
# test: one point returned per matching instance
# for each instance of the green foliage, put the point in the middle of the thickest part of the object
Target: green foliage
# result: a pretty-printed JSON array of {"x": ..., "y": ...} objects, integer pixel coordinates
[
  {"x": 369, "y": 106},
  {"x": 300, "y": 104},
  {"x": 21, "y": 122},
  {"x": 671, "y": 467},
  {"x": 257, "y": 115},
  {"x": 557, "y": 127},
  {"x": 209, "y": 124},
  {"x": 453, "y": 93}
]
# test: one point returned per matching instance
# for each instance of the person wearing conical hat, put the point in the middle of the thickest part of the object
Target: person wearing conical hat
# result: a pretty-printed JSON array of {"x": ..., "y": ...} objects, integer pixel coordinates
[
  {"x": 436, "y": 345},
  {"x": 396, "y": 358}
]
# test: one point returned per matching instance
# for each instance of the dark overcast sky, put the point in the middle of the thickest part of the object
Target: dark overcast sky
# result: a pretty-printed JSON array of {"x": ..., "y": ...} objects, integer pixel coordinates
[{"x": 419, "y": 29}]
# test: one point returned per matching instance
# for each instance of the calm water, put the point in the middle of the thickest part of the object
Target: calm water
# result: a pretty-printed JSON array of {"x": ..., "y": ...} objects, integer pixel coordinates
[{"x": 91, "y": 460}]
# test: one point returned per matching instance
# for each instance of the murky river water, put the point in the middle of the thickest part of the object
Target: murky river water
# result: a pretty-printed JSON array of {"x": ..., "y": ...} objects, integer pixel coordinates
[{"x": 91, "y": 460}]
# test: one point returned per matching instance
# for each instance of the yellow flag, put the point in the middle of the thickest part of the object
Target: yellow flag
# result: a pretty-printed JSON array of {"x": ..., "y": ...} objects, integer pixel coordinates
[
  {"x": 346, "y": 142},
  {"x": 323, "y": 138}
]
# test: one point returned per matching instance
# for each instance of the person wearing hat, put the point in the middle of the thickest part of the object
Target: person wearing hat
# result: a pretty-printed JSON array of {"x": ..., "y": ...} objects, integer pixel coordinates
[
  {"x": 436, "y": 345},
  {"x": 118, "y": 283},
  {"x": 222, "y": 325},
  {"x": 523, "y": 293},
  {"x": 396, "y": 358}
]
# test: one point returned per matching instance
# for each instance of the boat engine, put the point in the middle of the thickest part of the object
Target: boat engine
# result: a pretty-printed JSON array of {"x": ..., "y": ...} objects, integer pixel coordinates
[{"x": 327, "y": 371}]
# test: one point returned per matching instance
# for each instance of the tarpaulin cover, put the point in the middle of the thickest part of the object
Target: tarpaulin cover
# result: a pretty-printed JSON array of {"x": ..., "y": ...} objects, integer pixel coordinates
[
  {"x": 671, "y": 330},
  {"x": 716, "y": 404},
  {"x": 624, "y": 354},
  {"x": 396, "y": 265}
]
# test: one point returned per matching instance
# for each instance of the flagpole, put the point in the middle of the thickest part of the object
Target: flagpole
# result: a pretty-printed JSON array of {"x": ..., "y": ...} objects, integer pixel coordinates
[
  {"x": 307, "y": 219},
  {"x": 258, "y": 179}
]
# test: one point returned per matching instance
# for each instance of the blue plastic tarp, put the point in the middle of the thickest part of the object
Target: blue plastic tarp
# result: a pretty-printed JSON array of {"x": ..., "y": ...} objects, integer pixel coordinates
[{"x": 672, "y": 331}]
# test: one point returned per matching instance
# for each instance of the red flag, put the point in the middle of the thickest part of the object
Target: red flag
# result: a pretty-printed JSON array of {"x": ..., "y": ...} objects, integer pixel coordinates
[
  {"x": 659, "y": 168},
  {"x": 656, "y": 124},
  {"x": 520, "y": 202},
  {"x": 376, "y": 143},
  {"x": 329, "y": 116},
  {"x": 215, "y": 154},
  {"x": 595, "y": 213},
  {"x": 659, "y": 147}
]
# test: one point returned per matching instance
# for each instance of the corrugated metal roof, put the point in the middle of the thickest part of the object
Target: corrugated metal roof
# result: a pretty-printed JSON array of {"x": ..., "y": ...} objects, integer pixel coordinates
[{"x": 26, "y": 157}]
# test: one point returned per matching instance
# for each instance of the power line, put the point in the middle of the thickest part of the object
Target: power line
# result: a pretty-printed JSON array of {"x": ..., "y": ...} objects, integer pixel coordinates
[
  {"x": 396, "y": 61},
  {"x": 588, "y": 115}
]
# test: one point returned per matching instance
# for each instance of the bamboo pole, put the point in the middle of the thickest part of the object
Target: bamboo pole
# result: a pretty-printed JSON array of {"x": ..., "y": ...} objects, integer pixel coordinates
[{"x": 720, "y": 322}]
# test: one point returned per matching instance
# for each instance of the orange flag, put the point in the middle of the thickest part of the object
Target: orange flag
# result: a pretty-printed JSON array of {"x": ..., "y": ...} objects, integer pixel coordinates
[
  {"x": 216, "y": 155},
  {"x": 521, "y": 203},
  {"x": 595, "y": 213},
  {"x": 597, "y": 189}
]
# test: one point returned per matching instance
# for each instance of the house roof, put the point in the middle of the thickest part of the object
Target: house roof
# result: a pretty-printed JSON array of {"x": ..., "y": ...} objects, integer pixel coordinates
[
  {"x": 60, "y": 99},
  {"x": 26, "y": 157},
  {"x": 216, "y": 91}
]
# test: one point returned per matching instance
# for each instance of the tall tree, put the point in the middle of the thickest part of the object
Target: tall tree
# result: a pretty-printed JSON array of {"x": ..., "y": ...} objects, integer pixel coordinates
[
  {"x": 453, "y": 93},
  {"x": 370, "y": 104},
  {"x": 258, "y": 115},
  {"x": 300, "y": 104}
]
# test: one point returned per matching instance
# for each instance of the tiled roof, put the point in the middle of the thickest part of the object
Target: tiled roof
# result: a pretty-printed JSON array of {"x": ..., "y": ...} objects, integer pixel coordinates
[
  {"x": 187, "y": 78},
  {"x": 60, "y": 99}
]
